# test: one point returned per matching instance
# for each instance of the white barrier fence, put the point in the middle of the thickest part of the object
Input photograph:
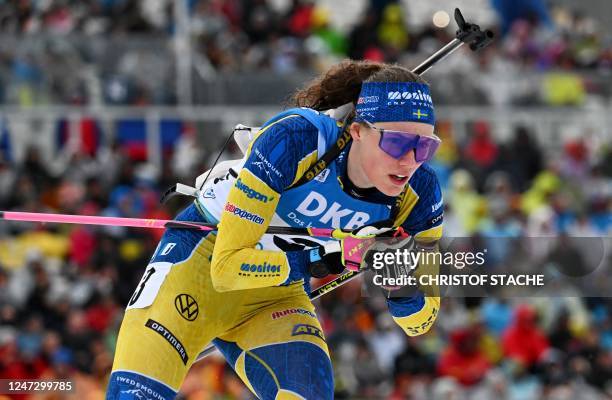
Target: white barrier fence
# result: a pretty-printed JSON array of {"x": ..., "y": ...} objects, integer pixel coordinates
[{"x": 36, "y": 126}]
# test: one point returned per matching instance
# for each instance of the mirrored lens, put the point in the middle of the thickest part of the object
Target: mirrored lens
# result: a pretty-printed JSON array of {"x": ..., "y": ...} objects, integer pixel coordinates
[
  {"x": 397, "y": 144},
  {"x": 426, "y": 148}
]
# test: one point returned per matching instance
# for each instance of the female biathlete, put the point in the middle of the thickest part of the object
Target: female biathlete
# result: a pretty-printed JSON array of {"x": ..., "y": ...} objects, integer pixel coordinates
[{"x": 237, "y": 287}]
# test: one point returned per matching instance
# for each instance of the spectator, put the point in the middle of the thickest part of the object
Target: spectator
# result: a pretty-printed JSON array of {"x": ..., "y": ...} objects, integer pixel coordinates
[
  {"x": 386, "y": 342},
  {"x": 511, "y": 11},
  {"x": 469, "y": 206},
  {"x": 259, "y": 22},
  {"x": 7, "y": 179},
  {"x": 363, "y": 39},
  {"x": 523, "y": 341},
  {"x": 497, "y": 315},
  {"x": 392, "y": 33},
  {"x": 334, "y": 41},
  {"x": 463, "y": 360},
  {"x": 300, "y": 18},
  {"x": 481, "y": 151},
  {"x": 524, "y": 158},
  {"x": 575, "y": 162}
]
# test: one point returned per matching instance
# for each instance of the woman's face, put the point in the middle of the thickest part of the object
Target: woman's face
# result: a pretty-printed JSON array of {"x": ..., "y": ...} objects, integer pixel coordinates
[{"x": 370, "y": 166}]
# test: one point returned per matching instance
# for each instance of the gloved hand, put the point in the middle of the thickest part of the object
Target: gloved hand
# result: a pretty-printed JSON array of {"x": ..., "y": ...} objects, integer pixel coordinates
[
  {"x": 348, "y": 251},
  {"x": 299, "y": 261},
  {"x": 391, "y": 272},
  {"x": 413, "y": 261}
]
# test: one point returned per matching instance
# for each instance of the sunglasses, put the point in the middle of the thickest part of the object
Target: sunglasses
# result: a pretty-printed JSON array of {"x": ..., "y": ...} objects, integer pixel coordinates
[{"x": 397, "y": 144}]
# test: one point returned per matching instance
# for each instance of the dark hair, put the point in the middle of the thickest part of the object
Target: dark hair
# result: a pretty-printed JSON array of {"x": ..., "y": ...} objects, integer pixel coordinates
[{"x": 342, "y": 83}]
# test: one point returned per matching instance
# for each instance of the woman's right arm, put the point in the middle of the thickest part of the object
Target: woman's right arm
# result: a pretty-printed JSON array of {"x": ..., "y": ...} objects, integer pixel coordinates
[{"x": 281, "y": 152}]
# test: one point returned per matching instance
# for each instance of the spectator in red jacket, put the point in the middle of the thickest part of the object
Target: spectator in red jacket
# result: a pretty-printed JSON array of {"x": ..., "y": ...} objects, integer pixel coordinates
[
  {"x": 481, "y": 149},
  {"x": 463, "y": 360},
  {"x": 523, "y": 340}
]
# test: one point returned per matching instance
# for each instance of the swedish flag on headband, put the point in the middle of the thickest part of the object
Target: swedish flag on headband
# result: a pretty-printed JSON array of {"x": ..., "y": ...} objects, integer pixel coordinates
[{"x": 420, "y": 114}]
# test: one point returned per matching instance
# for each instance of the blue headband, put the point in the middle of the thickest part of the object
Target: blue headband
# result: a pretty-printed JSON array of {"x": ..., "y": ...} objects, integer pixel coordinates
[{"x": 394, "y": 102}]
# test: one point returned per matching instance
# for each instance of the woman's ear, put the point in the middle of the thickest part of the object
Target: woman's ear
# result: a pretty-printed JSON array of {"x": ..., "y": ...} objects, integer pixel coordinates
[{"x": 355, "y": 131}]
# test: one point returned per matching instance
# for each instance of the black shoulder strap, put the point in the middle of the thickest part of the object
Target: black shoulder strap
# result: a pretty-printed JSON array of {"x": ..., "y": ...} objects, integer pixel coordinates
[{"x": 322, "y": 163}]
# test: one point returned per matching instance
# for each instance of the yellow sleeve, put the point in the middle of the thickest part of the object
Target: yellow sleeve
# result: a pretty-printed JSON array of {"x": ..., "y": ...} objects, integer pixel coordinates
[
  {"x": 236, "y": 264},
  {"x": 417, "y": 315},
  {"x": 420, "y": 321}
]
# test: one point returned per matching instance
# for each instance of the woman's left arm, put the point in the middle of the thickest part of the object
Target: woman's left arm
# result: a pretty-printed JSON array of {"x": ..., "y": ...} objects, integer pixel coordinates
[{"x": 416, "y": 314}]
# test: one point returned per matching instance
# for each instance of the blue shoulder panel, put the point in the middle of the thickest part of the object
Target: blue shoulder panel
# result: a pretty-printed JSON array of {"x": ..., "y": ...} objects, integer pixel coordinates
[
  {"x": 277, "y": 152},
  {"x": 428, "y": 211}
]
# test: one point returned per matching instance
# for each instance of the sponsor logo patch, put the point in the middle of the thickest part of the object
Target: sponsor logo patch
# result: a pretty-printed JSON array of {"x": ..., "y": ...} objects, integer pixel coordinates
[
  {"x": 266, "y": 165},
  {"x": 260, "y": 268},
  {"x": 305, "y": 329},
  {"x": 129, "y": 385},
  {"x": 170, "y": 338},
  {"x": 435, "y": 207},
  {"x": 209, "y": 194},
  {"x": 291, "y": 311},
  {"x": 367, "y": 99},
  {"x": 186, "y": 306},
  {"x": 252, "y": 193},
  {"x": 437, "y": 219},
  {"x": 322, "y": 177},
  {"x": 418, "y": 95},
  {"x": 143, "y": 393},
  {"x": 243, "y": 214},
  {"x": 317, "y": 205},
  {"x": 419, "y": 329}
]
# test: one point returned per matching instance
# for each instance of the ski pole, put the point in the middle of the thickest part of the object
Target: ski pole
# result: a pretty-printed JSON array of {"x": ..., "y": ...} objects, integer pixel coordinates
[{"x": 149, "y": 223}]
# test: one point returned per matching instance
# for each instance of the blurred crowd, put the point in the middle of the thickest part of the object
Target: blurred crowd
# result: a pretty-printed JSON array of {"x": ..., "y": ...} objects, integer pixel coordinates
[
  {"x": 63, "y": 287},
  {"x": 118, "y": 51},
  {"x": 507, "y": 196}
]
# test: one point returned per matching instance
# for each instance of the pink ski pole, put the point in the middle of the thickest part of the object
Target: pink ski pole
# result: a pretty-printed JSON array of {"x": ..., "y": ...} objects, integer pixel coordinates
[{"x": 146, "y": 223}]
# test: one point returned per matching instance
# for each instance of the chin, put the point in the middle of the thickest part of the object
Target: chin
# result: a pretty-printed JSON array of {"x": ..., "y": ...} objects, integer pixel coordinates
[{"x": 392, "y": 191}]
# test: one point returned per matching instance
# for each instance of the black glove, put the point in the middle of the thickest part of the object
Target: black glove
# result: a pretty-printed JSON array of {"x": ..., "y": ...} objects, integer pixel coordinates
[
  {"x": 394, "y": 275},
  {"x": 330, "y": 263}
]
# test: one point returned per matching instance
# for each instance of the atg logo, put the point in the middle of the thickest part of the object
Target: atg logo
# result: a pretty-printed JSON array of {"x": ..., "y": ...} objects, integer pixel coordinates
[
  {"x": 252, "y": 193},
  {"x": 305, "y": 329},
  {"x": 418, "y": 95}
]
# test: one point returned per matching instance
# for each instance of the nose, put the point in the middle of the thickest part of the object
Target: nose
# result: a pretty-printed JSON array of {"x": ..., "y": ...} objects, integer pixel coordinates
[{"x": 408, "y": 160}]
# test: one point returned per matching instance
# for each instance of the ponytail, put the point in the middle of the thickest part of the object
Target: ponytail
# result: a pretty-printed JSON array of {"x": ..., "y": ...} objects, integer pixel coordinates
[{"x": 341, "y": 84}]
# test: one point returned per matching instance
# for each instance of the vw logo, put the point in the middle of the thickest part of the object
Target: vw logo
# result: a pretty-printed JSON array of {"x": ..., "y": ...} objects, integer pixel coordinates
[{"x": 186, "y": 306}]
